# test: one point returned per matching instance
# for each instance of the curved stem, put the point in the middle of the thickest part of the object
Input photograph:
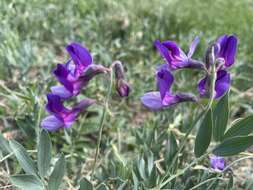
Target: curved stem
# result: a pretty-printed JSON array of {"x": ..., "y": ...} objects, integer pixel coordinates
[
  {"x": 184, "y": 141},
  {"x": 206, "y": 181},
  {"x": 181, "y": 172},
  {"x": 238, "y": 160},
  {"x": 101, "y": 124}
]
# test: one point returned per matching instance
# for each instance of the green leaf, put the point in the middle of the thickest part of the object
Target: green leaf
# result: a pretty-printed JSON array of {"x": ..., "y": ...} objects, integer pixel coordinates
[
  {"x": 171, "y": 149},
  {"x": 135, "y": 180},
  {"x": 23, "y": 158},
  {"x": 4, "y": 145},
  {"x": 243, "y": 127},
  {"x": 230, "y": 183},
  {"x": 141, "y": 167},
  {"x": 26, "y": 182},
  {"x": 57, "y": 174},
  {"x": 233, "y": 146},
  {"x": 44, "y": 153},
  {"x": 220, "y": 118},
  {"x": 204, "y": 135},
  {"x": 102, "y": 187},
  {"x": 85, "y": 184},
  {"x": 249, "y": 184}
]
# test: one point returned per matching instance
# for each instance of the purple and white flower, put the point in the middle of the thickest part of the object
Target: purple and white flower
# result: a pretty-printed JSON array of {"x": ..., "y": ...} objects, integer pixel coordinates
[
  {"x": 175, "y": 57},
  {"x": 224, "y": 52},
  {"x": 60, "y": 116},
  {"x": 156, "y": 100}
]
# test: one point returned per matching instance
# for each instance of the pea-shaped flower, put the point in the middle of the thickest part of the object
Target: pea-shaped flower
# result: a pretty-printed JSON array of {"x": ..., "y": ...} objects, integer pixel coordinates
[
  {"x": 175, "y": 57},
  {"x": 217, "y": 162},
  {"x": 76, "y": 73},
  {"x": 60, "y": 116},
  {"x": 156, "y": 100},
  {"x": 224, "y": 56}
]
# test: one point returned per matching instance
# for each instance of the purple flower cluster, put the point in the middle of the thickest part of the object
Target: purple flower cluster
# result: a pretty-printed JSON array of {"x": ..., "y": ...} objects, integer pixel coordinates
[
  {"x": 73, "y": 76},
  {"x": 221, "y": 54}
]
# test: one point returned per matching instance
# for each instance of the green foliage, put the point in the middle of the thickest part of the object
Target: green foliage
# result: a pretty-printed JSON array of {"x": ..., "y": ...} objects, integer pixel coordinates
[
  {"x": 233, "y": 146},
  {"x": 55, "y": 178},
  {"x": 24, "y": 159},
  {"x": 204, "y": 134},
  {"x": 241, "y": 127},
  {"x": 44, "y": 153},
  {"x": 85, "y": 184},
  {"x": 26, "y": 182},
  {"x": 220, "y": 118},
  {"x": 138, "y": 147}
]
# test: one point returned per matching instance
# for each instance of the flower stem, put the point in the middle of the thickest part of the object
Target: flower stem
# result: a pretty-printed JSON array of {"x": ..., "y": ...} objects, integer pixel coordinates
[
  {"x": 181, "y": 172},
  {"x": 206, "y": 181},
  {"x": 101, "y": 124},
  {"x": 185, "y": 139},
  {"x": 212, "y": 81}
]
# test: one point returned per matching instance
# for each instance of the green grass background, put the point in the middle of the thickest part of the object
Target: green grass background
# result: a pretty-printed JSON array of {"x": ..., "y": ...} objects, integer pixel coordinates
[{"x": 33, "y": 35}]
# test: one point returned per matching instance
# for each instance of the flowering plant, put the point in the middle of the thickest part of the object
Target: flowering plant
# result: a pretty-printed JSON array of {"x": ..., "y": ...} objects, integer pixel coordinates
[{"x": 160, "y": 164}]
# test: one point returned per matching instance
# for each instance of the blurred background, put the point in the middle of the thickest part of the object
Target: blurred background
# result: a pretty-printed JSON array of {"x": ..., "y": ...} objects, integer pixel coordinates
[{"x": 33, "y": 35}]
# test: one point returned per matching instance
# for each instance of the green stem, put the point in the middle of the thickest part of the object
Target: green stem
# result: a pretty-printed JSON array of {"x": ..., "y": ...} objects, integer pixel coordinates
[
  {"x": 183, "y": 143},
  {"x": 212, "y": 82},
  {"x": 181, "y": 172},
  {"x": 101, "y": 124},
  {"x": 206, "y": 181}
]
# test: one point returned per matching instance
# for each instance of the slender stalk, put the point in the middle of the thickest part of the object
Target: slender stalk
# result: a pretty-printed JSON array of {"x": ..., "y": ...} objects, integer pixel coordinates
[
  {"x": 101, "y": 124},
  {"x": 184, "y": 142},
  {"x": 181, "y": 172},
  {"x": 212, "y": 80},
  {"x": 234, "y": 162},
  {"x": 206, "y": 181}
]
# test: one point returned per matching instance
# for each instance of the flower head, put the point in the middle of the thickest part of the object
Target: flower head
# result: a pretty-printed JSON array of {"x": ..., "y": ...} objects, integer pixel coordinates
[
  {"x": 76, "y": 73},
  {"x": 223, "y": 57},
  {"x": 226, "y": 49},
  {"x": 156, "y": 100},
  {"x": 217, "y": 163},
  {"x": 175, "y": 56},
  {"x": 60, "y": 116}
]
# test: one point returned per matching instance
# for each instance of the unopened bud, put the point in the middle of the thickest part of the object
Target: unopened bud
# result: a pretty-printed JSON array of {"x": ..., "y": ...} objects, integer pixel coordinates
[
  {"x": 119, "y": 70},
  {"x": 122, "y": 88},
  {"x": 210, "y": 55}
]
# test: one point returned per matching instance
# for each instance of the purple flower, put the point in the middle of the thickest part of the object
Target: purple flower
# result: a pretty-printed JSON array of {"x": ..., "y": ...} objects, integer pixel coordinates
[
  {"x": 224, "y": 52},
  {"x": 80, "y": 56},
  {"x": 164, "y": 97},
  {"x": 222, "y": 84},
  {"x": 76, "y": 73},
  {"x": 175, "y": 56},
  {"x": 226, "y": 49},
  {"x": 217, "y": 163},
  {"x": 60, "y": 116}
]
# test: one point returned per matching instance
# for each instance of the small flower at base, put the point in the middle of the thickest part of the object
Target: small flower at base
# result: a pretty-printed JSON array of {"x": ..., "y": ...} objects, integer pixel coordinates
[{"x": 218, "y": 163}]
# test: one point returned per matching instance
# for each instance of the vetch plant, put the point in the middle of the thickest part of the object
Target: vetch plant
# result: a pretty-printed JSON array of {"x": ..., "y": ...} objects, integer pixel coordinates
[
  {"x": 158, "y": 157},
  {"x": 213, "y": 120},
  {"x": 74, "y": 75}
]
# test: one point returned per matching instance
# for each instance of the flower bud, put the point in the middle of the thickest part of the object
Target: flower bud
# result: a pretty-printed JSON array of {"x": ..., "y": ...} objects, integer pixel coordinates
[
  {"x": 119, "y": 70},
  {"x": 122, "y": 88},
  {"x": 210, "y": 55}
]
